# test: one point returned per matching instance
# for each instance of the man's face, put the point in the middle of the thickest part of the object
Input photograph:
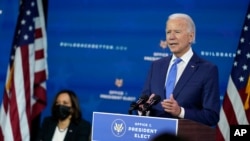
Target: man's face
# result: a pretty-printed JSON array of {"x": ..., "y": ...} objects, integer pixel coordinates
[{"x": 178, "y": 36}]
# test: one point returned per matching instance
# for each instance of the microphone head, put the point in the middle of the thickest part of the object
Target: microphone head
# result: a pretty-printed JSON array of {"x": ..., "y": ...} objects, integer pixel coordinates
[
  {"x": 156, "y": 99},
  {"x": 133, "y": 105},
  {"x": 141, "y": 100},
  {"x": 153, "y": 101},
  {"x": 144, "y": 97}
]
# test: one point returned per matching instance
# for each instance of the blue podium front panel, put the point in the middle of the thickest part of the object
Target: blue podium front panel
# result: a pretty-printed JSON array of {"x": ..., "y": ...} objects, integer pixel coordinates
[{"x": 121, "y": 127}]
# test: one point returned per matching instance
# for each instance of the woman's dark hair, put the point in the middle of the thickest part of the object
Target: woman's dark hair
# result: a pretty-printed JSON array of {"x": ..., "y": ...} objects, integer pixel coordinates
[{"x": 76, "y": 111}]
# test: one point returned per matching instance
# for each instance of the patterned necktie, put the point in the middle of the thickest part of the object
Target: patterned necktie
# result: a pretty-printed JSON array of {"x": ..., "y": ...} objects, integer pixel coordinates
[{"x": 172, "y": 78}]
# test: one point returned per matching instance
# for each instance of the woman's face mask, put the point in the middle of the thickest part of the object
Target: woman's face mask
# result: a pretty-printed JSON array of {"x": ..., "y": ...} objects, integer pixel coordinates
[{"x": 61, "y": 112}]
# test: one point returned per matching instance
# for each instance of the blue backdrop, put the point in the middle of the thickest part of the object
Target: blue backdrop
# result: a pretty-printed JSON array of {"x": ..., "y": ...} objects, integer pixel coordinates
[{"x": 102, "y": 49}]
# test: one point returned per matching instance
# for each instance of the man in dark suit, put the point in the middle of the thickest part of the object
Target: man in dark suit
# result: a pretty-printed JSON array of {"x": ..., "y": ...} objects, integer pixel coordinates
[{"x": 196, "y": 91}]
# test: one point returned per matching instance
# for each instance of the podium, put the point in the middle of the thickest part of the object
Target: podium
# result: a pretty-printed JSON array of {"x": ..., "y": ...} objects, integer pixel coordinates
[
  {"x": 121, "y": 127},
  {"x": 194, "y": 131}
]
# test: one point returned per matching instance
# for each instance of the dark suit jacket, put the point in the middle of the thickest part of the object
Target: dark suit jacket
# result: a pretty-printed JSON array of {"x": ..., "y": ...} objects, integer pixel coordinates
[
  {"x": 197, "y": 90},
  {"x": 76, "y": 132}
]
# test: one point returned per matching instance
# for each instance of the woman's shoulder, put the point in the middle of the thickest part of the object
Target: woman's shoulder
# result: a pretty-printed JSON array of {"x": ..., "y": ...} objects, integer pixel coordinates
[
  {"x": 80, "y": 122},
  {"x": 84, "y": 122},
  {"x": 82, "y": 125},
  {"x": 49, "y": 119}
]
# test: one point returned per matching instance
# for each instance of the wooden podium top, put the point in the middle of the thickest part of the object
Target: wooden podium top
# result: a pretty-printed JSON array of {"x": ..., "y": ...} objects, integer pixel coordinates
[{"x": 194, "y": 131}]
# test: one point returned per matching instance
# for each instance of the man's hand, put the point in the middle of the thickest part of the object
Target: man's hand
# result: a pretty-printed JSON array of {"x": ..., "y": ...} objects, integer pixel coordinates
[{"x": 171, "y": 106}]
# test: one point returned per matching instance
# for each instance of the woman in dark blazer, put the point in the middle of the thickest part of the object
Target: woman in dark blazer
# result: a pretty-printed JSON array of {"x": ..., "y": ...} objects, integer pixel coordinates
[{"x": 66, "y": 122}]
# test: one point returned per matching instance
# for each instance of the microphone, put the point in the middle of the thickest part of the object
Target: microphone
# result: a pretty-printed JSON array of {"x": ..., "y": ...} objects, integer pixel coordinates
[
  {"x": 135, "y": 105},
  {"x": 152, "y": 101}
]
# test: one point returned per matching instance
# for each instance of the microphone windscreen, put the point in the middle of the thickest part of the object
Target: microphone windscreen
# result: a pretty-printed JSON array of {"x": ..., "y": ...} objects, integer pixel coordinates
[{"x": 157, "y": 99}]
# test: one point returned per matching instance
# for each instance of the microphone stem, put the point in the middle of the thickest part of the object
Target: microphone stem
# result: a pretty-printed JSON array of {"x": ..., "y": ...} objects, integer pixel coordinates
[
  {"x": 143, "y": 113},
  {"x": 130, "y": 112}
]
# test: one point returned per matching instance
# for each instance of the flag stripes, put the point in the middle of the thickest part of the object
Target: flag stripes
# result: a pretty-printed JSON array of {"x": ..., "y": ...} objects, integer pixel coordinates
[
  {"x": 235, "y": 107},
  {"x": 24, "y": 95}
]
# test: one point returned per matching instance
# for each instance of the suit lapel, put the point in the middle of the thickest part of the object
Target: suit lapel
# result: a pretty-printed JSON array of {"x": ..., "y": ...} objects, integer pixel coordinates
[
  {"x": 51, "y": 129},
  {"x": 70, "y": 132},
  {"x": 189, "y": 71},
  {"x": 164, "y": 69}
]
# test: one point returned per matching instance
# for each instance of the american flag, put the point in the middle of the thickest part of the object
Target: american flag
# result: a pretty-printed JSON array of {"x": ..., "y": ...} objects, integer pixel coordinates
[
  {"x": 235, "y": 108},
  {"x": 24, "y": 95}
]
